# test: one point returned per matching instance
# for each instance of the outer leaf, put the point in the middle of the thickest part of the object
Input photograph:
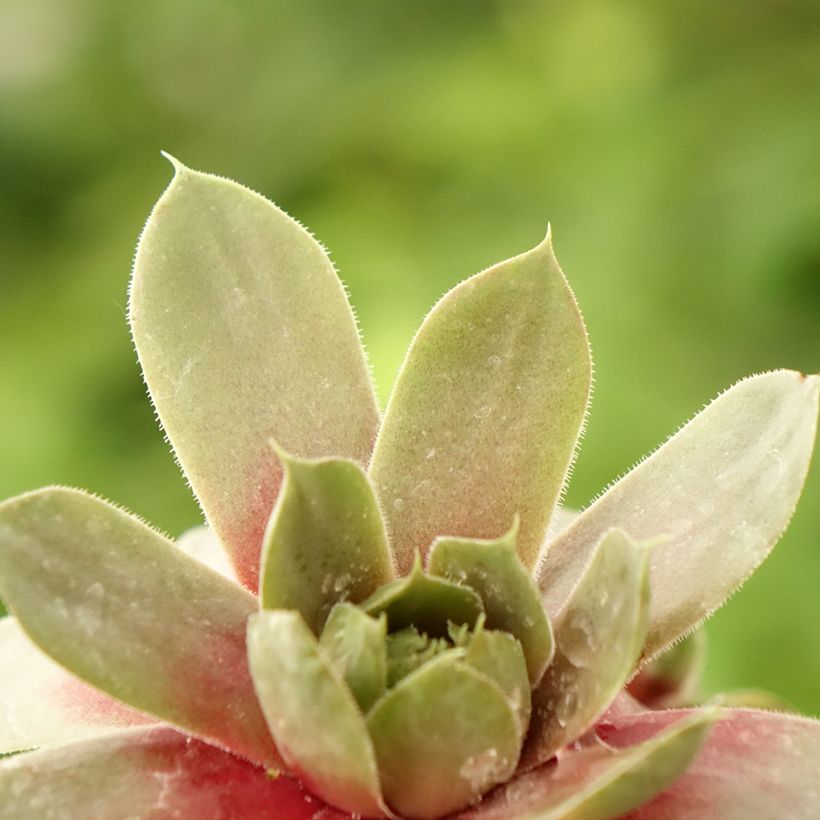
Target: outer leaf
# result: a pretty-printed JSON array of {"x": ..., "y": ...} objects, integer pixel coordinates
[
  {"x": 486, "y": 411},
  {"x": 244, "y": 334},
  {"x": 312, "y": 715},
  {"x": 122, "y": 608},
  {"x": 444, "y": 735},
  {"x": 597, "y": 784},
  {"x": 673, "y": 678},
  {"x": 509, "y": 594},
  {"x": 154, "y": 773},
  {"x": 425, "y": 602},
  {"x": 41, "y": 704},
  {"x": 355, "y": 644},
  {"x": 325, "y": 541},
  {"x": 599, "y": 636},
  {"x": 723, "y": 489},
  {"x": 757, "y": 765}
]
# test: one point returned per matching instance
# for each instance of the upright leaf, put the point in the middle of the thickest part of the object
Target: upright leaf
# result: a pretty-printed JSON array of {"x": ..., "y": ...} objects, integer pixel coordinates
[
  {"x": 122, "y": 608},
  {"x": 599, "y": 636},
  {"x": 721, "y": 490},
  {"x": 483, "y": 420},
  {"x": 244, "y": 333},
  {"x": 325, "y": 542},
  {"x": 312, "y": 714}
]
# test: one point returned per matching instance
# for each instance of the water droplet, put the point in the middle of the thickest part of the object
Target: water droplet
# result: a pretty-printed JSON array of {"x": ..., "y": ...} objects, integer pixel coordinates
[
  {"x": 494, "y": 361},
  {"x": 431, "y": 453},
  {"x": 398, "y": 503}
]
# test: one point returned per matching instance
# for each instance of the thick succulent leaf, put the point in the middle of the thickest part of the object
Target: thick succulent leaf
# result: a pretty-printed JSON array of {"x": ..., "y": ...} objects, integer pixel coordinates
[
  {"x": 443, "y": 735},
  {"x": 312, "y": 715},
  {"x": 122, "y": 608},
  {"x": 425, "y": 602},
  {"x": 754, "y": 764},
  {"x": 201, "y": 543},
  {"x": 511, "y": 599},
  {"x": 722, "y": 489},
  {"x": 596, "y": 783},
  {"x": 42, "y": 704},
  {"x": 499, "y": 656},
  {"x": 244, "y": 333},
  {"x": 355, "y": 645},
  {"x": 485, "y": 414},
  {"x": 154, "y": 773},
  {"x": 599, "y": 636},
  {"x": 673, "y": 678},
  {"x": 325, "y": 542}
]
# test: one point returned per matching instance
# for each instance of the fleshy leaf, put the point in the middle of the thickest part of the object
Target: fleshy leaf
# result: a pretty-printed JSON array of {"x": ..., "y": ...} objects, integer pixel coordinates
[
  {"x": 511, "y": 599},
  {"x": 596, "y": 783},
  {"x": 122, "y": 608},
  {"x": 499, "y": 656},
  {"x": 722, "y": 489},
  {"x": 148, "y": 773},
  {"x": 754, "y": 764},
  {"x": 244, "y": 333},
  {"x": 485, "y": 414},
  {"x": 325, "y": 541},
  {"x": 443, "y": 736},
  {"x": 355, "y": 645},
  {"x": 312, "y": 715},
  {"x": 425, "y": 602},
  {"x": 42, "y": 704},
  {"x": 672, "y": 679},
  {"x": 599, "y": 636},
  {"x": 408, "y": 649}
]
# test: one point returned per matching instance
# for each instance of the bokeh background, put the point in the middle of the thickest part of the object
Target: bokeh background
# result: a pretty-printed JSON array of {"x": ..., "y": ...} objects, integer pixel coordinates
[{"x": 674, "y": 147}]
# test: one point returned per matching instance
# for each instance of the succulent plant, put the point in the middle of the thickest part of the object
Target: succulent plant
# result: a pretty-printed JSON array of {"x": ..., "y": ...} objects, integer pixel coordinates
[{"x": 408, "y": 624}]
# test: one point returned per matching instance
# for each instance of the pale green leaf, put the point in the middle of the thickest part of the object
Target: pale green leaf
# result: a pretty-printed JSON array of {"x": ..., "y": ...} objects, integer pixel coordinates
[
  {"x": 424, "y": 601},
  {"x": 499, "y": 656},
  {"x": 312, "y": 715},
  {"x": 42, "y": 704},
  {"x": 443, "y": 736},
  {"x": 355, "y": 645},
  {"x": 244, "y": 333},
  {"x": 152, "y": 773},
  {"x": 598, "y": 784},
  {"x": 722, "y": 490},
  {"x": 325, "y": 541},
  {"x": 599, "y": 636},
  {"x": 122, "y": 608},
  {"x": 485, "y": 414},
  {"x": 511, "y": 599}
]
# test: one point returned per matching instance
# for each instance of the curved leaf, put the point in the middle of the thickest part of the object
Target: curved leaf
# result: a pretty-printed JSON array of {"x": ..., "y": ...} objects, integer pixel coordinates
[
  {"x": 722, "y": 489},
  {"x": 244, "y": 333},
  {"x": 154, "y": 773},
  {"x": 510, "y": 596},
  {"x": 41, "y": 704},
  {"x": 312, "y": 715},
  {"x": 122, "y": 608},
  {"x": 444, "y": 735},
  {"x": 599, "y": 636},
  {"x": 596, "y": 783},
  {"x": 754, "y": 764},
  {"x": 484, "y": 417},
  {"x": 325, "y": 542}
]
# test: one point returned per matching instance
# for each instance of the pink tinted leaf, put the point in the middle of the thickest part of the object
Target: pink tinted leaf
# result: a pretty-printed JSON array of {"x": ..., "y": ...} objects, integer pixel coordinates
[
  {"x": 754, "y": 764},
  {"x": 598, "y": 636},
  {"x": 42, "y": 704},
  {"x": 595, "y": 783},
  {"x": 484, "y": 417},
  {"x": 722, "y": 490},
  {"x": 121, "y": 607},
  {"x": 152, "y": 773},
  {"x": 244, "y": 333}
]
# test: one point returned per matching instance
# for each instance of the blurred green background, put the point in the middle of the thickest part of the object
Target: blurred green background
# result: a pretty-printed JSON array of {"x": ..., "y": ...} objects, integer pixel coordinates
[{"x": 675, "y": 148}]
